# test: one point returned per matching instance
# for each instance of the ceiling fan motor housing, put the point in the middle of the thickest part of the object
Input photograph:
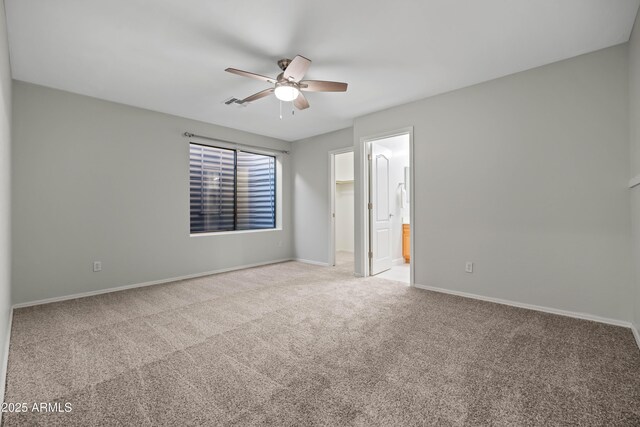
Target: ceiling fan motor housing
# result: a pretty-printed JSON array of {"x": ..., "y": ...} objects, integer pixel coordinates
[{"x": 284, "y": 63}]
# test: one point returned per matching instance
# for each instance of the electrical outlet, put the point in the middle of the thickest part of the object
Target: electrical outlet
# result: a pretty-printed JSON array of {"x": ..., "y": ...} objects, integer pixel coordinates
[
  {"x": 97, "y": 266},
  {"x": 468, "y": 267}
]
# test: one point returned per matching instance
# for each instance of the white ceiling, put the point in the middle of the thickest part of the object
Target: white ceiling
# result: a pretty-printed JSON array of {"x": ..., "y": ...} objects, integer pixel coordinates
[{"x": 170, "y": 55}]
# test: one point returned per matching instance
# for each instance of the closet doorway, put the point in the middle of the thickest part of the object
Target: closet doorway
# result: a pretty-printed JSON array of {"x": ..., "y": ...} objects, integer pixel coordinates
[{"x": 342, "y": 205}]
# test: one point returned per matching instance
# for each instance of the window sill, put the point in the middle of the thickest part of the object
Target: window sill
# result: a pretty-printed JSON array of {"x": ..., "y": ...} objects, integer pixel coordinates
[{"x": 225, "y": 233}]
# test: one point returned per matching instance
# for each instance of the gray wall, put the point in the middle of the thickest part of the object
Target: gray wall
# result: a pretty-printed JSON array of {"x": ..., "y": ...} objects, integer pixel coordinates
[
  {"x": 5, "y": 191},
  {"x": 527, "y": 177},
  {"x": 95, "y": 180},
  {"x": 311, "y": 193},
  {"x": 634, "y": 116}
]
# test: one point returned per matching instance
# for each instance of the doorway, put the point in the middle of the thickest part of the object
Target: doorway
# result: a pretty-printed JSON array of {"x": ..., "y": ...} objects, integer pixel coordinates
[
  {"x": 388, "y": 213},
  {"x": 342, "y": 209}
]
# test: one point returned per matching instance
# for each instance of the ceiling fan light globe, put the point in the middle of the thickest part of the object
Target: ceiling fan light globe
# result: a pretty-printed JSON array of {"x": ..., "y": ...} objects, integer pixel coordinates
[{"x": 286, "y": 92}]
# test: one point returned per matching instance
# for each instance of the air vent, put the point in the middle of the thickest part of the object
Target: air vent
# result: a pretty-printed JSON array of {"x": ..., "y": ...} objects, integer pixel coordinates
[{"x": 234, "y": 101}]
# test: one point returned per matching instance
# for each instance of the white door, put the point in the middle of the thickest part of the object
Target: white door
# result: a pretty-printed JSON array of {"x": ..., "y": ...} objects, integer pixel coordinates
[{"x": 380, "y": 209}]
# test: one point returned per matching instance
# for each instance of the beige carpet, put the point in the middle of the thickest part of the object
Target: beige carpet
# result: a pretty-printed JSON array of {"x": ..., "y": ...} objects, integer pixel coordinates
[{"x": 295, "y": 344}]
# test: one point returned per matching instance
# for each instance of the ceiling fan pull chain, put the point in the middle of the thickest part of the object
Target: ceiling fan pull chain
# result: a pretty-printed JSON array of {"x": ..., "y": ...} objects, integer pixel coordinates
[
  {"x": 280, "y": 110},
  {"x": 293, "y": 111}
]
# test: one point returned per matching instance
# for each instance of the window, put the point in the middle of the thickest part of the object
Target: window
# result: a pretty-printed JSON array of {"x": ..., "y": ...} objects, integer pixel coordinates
[{"x": 231, "y": 190}]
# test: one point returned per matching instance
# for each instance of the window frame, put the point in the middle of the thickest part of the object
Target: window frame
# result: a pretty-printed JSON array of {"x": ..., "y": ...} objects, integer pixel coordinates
[{"x": 235, "y": 230}]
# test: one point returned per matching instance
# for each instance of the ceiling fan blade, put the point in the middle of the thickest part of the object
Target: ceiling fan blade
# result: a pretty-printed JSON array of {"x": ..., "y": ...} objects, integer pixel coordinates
[
  {"x": 250, "y": 75},
  {"x": 301, "y": 102},
  {"x": 258, "y": 95},
  {"x": 297, "y": 68},
  {"x": 322, "y": 86}
]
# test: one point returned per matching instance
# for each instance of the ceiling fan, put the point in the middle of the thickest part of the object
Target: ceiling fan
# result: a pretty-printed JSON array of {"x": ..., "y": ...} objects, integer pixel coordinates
[{"x": 288, "y": 86}]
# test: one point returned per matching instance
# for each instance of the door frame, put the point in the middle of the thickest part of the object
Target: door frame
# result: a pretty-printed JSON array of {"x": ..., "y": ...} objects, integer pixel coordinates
[
  {"x": 332, "y": 202},
  {"x": 365, "y": 231}
]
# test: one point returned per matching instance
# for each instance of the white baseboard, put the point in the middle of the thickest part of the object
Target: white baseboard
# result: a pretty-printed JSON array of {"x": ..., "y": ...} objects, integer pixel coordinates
[
  {"x": 398, "y": 261},
  {"x": 141, "y": 285},
  {"x": 573, "y": 314},
  {"x": 5, "y": 357},
  {"x": 308, "y": 261},
  {"x": 636, "y": 334}
]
